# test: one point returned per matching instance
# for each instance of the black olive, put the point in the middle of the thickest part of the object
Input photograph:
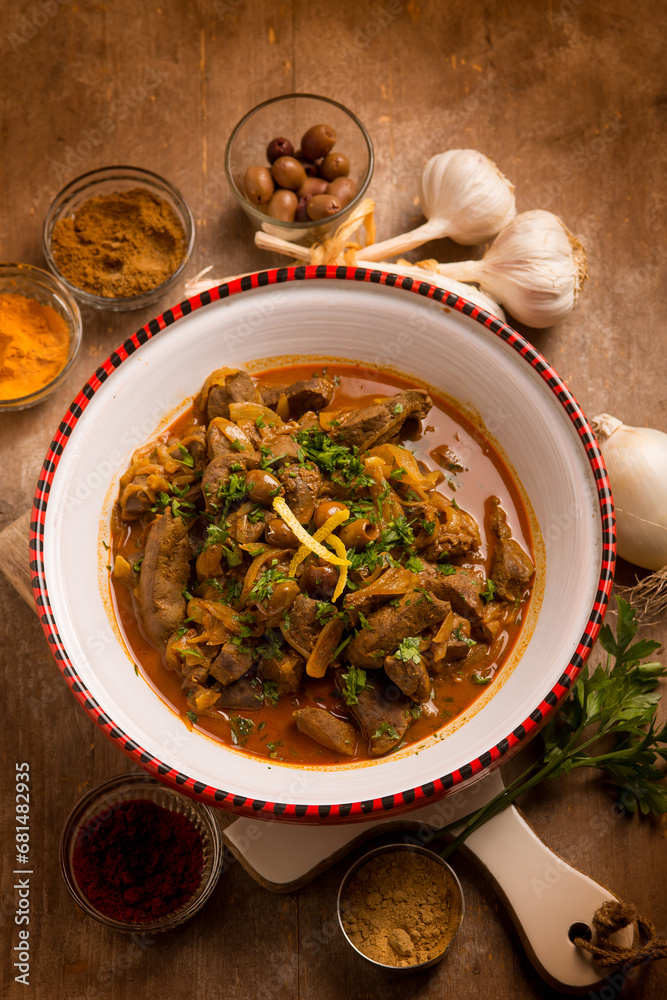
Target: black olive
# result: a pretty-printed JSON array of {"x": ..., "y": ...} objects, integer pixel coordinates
[{"x": 280, "y": 146}]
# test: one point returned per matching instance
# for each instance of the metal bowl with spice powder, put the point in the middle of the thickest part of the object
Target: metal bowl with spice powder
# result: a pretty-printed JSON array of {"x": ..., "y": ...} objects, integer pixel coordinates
[
  {"x": 119, "y": 238},
  {"x": 400, "y": 907}
]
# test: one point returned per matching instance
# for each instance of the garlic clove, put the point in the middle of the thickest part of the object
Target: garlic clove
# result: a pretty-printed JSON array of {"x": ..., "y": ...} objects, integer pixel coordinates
[
  {"x": 636, "y": 460},
  {"x": 464, "y": 196},
  {"x": 535, "y": 267}
]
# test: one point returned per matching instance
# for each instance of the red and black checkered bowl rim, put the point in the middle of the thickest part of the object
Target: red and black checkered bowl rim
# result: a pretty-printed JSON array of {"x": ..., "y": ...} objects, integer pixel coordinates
[{"x": 399, "y": 801}]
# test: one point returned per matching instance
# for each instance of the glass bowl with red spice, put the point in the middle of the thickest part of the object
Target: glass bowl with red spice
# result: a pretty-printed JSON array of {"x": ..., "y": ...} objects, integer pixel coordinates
[
  {"x": 40, "y": 335},
  {"x": 119, "y": 238},
  {"x": 140, "y": 857}
]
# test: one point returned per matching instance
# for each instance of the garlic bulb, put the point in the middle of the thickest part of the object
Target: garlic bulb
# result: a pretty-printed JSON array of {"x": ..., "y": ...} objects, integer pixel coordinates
[
  {"x": 267, "y": 242},
  {"x": 636, "y": 460},
  {"x": 464, "y": 196},
  {"x": 535, "y": 267}
]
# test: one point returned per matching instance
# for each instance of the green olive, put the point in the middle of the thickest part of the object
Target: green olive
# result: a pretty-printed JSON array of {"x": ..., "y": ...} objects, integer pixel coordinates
[
  {"x": 263, "y": 486},
  {"x": 321, "y": 206},
  {"x": 334, "y": 165},
  {"x": 312, "y": 186},
  {"x": 344, "y": 189},
  {"x": 258, "y": 185},
  {"x": 358, "y": 533},
  {"x": 280, "y": 146},
  {"x": 282, "y": 205},
  {"x": 283, "y": 597},
  {"x": 278, "y": 533},
  {"x": 326, "y": 509},
  {"x": 288, "y": 173},
  {"x": 317, "y": 141}
]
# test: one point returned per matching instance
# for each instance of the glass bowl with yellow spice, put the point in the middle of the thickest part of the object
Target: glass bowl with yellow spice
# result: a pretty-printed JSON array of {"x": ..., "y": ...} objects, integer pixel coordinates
[
  {"x": 400, "y": 906},
  {"x": 40, "y": 335},
  {"x": 119, "y": 238}
]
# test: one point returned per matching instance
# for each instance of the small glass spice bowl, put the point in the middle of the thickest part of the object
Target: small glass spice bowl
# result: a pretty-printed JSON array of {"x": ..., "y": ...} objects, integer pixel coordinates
[
  {"x": 34, "y": 283},
  {"x": 95, "y": 808},
  {"x": 347, "y": 912},
  {"x": 290, "y": 116},
  {"x": 109, "y": 180}
]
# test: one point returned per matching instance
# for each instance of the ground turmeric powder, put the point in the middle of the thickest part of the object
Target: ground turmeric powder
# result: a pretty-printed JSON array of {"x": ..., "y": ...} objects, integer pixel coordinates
[{"x": 34, "y": 343}]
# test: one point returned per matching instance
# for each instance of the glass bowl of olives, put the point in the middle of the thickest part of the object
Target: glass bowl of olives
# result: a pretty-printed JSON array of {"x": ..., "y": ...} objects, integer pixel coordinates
[{"x": 298, "y": 165}]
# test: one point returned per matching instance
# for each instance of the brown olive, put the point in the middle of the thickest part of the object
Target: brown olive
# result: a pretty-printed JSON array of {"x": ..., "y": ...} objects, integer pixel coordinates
[
  {"x": 283, "y": 597},
  {"x": 358, "y": 533},
  {"x": 334, "y": 165},
  {"x": 288, "y": 173},
  {"x": 258, "y": 185},
  {"x": 308, "y": 165},
  {"x": 280, "y": 146},
  {"x": 313, "y": 186},
  {"x": 301, "y": 214},
  {"x": 282, "y": 205},
  {"x": 280, "y": 534},
  {"x": 321, "y": 206},
  {"x": 344, "y": 189},
  {"x": 263, "y": 486},
  {"x": 317, "y": 141},
  {"x": 319, "y": 581},
  {"x": 326, "y": 509}
]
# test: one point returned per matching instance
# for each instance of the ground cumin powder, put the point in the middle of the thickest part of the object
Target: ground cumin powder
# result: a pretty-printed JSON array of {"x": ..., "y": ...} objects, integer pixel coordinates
[
  {"x": 119, "y": 244},
  {"x": 401, "y": 908}
]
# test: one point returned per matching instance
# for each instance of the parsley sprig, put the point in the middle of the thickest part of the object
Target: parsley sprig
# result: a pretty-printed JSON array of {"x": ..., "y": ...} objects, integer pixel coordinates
[{"x": 608, "y": 722}]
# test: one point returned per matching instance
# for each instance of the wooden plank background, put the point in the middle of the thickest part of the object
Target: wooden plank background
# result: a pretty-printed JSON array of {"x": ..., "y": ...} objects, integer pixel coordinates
[{"x": 569, "y": 98}]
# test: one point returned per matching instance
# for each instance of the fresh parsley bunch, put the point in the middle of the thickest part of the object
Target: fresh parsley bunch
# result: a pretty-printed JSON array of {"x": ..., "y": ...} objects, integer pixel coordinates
[{"x": 608, "y": 722}]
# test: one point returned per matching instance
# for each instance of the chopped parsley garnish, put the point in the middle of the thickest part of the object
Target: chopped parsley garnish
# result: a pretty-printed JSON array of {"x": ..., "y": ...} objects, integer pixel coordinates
[
  {"x": 397, "y": 473},
  {"x": 263, "y": 587},
  {"x": 272, "y": 747},
  {"x": 446, "y": 569},
  {"x": 192, "y": 716},
  {"x": 272, "y": 646},
  {"x": 241, "y": 729},
  {"x": 396, "y": 409},
  {"x": 414, "y": 565},
  {"x": 460, "y": 637},
  {"x": 409, "y": 650},
  {"x": 385, "y": 729},
  {"x": 234, "y": 489},
  {"x": 270, "y": 692},
  {"x": 478, "y": 678},
  {"x": 428, "y": 526},
  {"x": 489, "y": 591},
  {"x": 256, "y": 514},
  {"x": 186, "y": 458},
  {"x": 329, "y": 455},
  {"x": 238, "y": 445},
  {"x": 355, "y": 683}
]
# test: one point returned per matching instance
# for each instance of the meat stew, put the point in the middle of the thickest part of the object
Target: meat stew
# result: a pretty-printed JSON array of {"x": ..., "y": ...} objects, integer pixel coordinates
[{"x": 319, "y": 567}]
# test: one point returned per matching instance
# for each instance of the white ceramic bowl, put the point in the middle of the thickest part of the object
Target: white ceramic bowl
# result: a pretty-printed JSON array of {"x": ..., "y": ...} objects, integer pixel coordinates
[{"x": 501, "y": 382}]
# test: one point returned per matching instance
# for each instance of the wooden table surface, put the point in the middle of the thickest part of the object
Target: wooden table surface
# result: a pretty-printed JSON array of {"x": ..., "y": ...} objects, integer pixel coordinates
[{"x": 568, "y": 98}]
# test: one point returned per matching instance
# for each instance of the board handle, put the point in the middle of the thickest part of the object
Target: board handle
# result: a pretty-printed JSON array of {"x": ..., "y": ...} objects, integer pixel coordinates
[{"x": 546, "y": 899}]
